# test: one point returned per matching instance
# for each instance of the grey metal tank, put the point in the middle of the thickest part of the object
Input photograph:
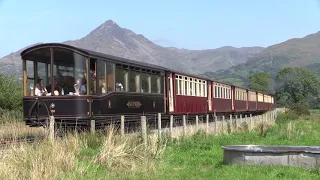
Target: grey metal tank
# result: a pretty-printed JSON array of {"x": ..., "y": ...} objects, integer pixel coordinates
[{"x": 301, "y": 156}]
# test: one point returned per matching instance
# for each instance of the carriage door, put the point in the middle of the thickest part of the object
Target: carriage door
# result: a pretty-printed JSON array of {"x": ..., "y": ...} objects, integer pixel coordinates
[
  {"x": 171, "y": 107},
  {"x": 209, "y": 96}
]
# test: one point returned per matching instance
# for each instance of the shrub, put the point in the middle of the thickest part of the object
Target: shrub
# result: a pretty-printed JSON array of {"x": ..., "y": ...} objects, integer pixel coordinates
[
  {"x": 300, "y": 109},
  {"x": 10, "y": 93}
]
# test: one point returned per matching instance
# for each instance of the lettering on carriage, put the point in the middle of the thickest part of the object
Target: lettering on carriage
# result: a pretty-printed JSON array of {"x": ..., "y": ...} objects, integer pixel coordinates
[{"x": 134, "y": 104}]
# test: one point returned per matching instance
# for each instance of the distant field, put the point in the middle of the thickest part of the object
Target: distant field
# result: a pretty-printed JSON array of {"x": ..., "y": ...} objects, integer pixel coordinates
[{"x": 197, "y": 157}]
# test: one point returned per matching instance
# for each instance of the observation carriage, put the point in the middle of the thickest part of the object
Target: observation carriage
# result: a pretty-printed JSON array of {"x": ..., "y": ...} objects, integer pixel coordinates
[{"x": 71, "y": 84}]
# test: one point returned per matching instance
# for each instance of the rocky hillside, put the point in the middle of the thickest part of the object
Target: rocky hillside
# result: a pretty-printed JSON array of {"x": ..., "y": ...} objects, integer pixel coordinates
[
  {"x": 111, "y": 39},
  {"x": 294, "y": 52}
]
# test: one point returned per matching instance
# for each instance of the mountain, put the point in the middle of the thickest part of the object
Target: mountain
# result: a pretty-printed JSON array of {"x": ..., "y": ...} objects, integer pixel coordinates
[
  {"x": 110, "y": 38},
  {"x": 294, "y": 52}
]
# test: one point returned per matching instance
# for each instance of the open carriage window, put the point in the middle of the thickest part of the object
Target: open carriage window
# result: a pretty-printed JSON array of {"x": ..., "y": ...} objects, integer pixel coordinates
[{"x": 121, "y": 78}]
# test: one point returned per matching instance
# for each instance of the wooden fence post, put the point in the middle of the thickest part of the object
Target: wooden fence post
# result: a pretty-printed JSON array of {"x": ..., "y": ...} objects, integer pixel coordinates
[
  {"x": 144, "y": 129},
  {"x": 92, "y": 126},
  {"x": 184, "y": 125},
  {"x": 246, "y": 120},
  {"x": 250, "y": 122},
  {"x": 236, "y": 124},
  {"x": 231, "y": 119},
  {"x": 223, "y": 125},
  {"x": 159, "y": 125},
  {"x": 51, "y": 128},
  {"x": 207, "y": 123},
  {"x": 215, "y": 125},
  {"x": 171, "y": 125},
  {"x": 122, "y": 125},
  {"x": 197, "y": 122}
]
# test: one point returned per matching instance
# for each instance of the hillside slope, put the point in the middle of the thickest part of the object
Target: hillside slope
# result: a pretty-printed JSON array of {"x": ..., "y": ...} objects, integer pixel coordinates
[{"x": 292, "y": 53}]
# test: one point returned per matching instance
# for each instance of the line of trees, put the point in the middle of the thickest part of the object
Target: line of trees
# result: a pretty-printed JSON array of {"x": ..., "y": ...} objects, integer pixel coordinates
[{"x": 296, "y": 88}]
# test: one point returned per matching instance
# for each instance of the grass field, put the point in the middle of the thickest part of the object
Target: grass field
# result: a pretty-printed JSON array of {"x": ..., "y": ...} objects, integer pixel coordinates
[{"x": 196, "y": 157}]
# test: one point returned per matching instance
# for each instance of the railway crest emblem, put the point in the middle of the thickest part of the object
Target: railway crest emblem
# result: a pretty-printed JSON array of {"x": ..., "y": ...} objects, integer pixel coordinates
[{"x": 134, "y": 104}]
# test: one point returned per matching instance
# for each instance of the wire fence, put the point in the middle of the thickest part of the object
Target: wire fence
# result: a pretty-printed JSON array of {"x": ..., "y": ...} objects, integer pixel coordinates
[{"x": 129, "y": 123}]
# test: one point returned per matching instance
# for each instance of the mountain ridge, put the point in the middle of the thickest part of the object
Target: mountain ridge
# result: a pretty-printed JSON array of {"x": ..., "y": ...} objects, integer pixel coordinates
[
  {"x": 295, "y": 52},
  {"x": 110, "y": 38}
]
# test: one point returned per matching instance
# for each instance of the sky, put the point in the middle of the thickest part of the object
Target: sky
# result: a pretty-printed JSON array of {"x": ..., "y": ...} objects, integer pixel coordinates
[{"x": 190, "y": 24}]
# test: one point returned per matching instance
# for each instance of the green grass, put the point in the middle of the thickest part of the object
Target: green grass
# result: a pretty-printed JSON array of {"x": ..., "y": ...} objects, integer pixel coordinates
[
  {"x": 196, "y": 157},
  {"x": 200, "y": 156}
]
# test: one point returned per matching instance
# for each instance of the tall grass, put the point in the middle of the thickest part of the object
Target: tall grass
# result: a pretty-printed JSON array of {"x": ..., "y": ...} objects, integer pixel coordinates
[{"x": 79, "y": 155}]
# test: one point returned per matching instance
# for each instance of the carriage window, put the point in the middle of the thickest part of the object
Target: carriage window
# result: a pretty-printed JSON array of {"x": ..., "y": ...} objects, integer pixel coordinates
[
  {"x": 110, "y": 76},
  {"x": 200, "y": 88},
  {"x": 145, "y": 83},
  {"x": 121, "y": 79},
  {"x": 180, "y": 85},
  {"x": 177, "y": 85},
  {"x": 227, "y": 93},
  {"x": 190, "y": 90},
  {"x": 215, "y": 91},
  {"x": 205, "y": 88},
  {"x": 195, "y": 84},
  {"x": 222, "y": 92},
  {"x": 30, "y": 78},
  {"x": 134, "y": 81},
  {"x": 42, "y": 72},
  {"x": 161, "y": 84},
  {"x": 155, "y": 84},
  {"x": 101, "y": 77},
  {"x": 186, "y": 83}
]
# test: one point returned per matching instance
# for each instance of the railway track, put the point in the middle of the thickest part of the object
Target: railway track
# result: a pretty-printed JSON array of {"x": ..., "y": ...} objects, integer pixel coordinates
[{"x": 5, "y": 143}]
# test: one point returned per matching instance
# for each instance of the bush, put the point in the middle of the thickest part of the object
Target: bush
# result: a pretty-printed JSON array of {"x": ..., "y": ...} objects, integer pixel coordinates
[
  {"x": 300, "y": 109},
  {"x": 11, "y": 93}
]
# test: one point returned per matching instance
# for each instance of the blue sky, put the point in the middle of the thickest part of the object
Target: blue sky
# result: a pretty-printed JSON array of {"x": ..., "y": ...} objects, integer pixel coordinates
[{"x": 201, "y": 24}]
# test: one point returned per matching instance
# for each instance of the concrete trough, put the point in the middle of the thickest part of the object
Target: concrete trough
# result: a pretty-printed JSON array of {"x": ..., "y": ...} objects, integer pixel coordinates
[{"x": 294, "y": 156}]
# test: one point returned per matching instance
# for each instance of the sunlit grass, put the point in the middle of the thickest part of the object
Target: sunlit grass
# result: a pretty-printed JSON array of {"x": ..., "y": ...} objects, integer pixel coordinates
[{"x": 198, "y": 156}]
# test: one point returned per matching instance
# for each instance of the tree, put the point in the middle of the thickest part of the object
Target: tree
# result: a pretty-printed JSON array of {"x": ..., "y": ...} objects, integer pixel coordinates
[
  {"x": 296, "y": 85},
  {"x": 260, "y": 81}
]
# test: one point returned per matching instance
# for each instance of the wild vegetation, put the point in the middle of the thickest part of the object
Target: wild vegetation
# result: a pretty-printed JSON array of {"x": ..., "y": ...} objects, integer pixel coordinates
[{"x": 109, "y": 156}]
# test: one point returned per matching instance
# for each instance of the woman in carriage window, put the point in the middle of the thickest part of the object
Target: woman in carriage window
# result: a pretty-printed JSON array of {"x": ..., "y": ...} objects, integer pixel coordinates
[{"x": 40, "y": 89}]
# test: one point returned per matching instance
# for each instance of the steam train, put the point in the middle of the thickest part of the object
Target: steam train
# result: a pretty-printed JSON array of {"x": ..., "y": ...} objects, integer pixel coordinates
[{"x": 72, "y": 83}]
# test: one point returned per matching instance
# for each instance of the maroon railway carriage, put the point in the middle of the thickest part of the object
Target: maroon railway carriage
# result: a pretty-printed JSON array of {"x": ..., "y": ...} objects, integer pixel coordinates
[
  {"x": 260, "y": 102},
  {"x": 240, "y": 99},
  {"x": 188, "y": 94},
  {"x": 252, "y": 100},
  {"x": 222, "y": 98}
]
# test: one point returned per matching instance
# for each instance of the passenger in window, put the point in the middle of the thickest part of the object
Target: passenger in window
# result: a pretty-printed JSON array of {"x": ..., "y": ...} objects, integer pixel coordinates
[
  {"x": 102, "y": 84},
  {"x": 119, "y": 87},
  {"x": 80, "y": 86},
  {"x": 40, "y": 90},
  {"x": 57, "y": 88}
]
